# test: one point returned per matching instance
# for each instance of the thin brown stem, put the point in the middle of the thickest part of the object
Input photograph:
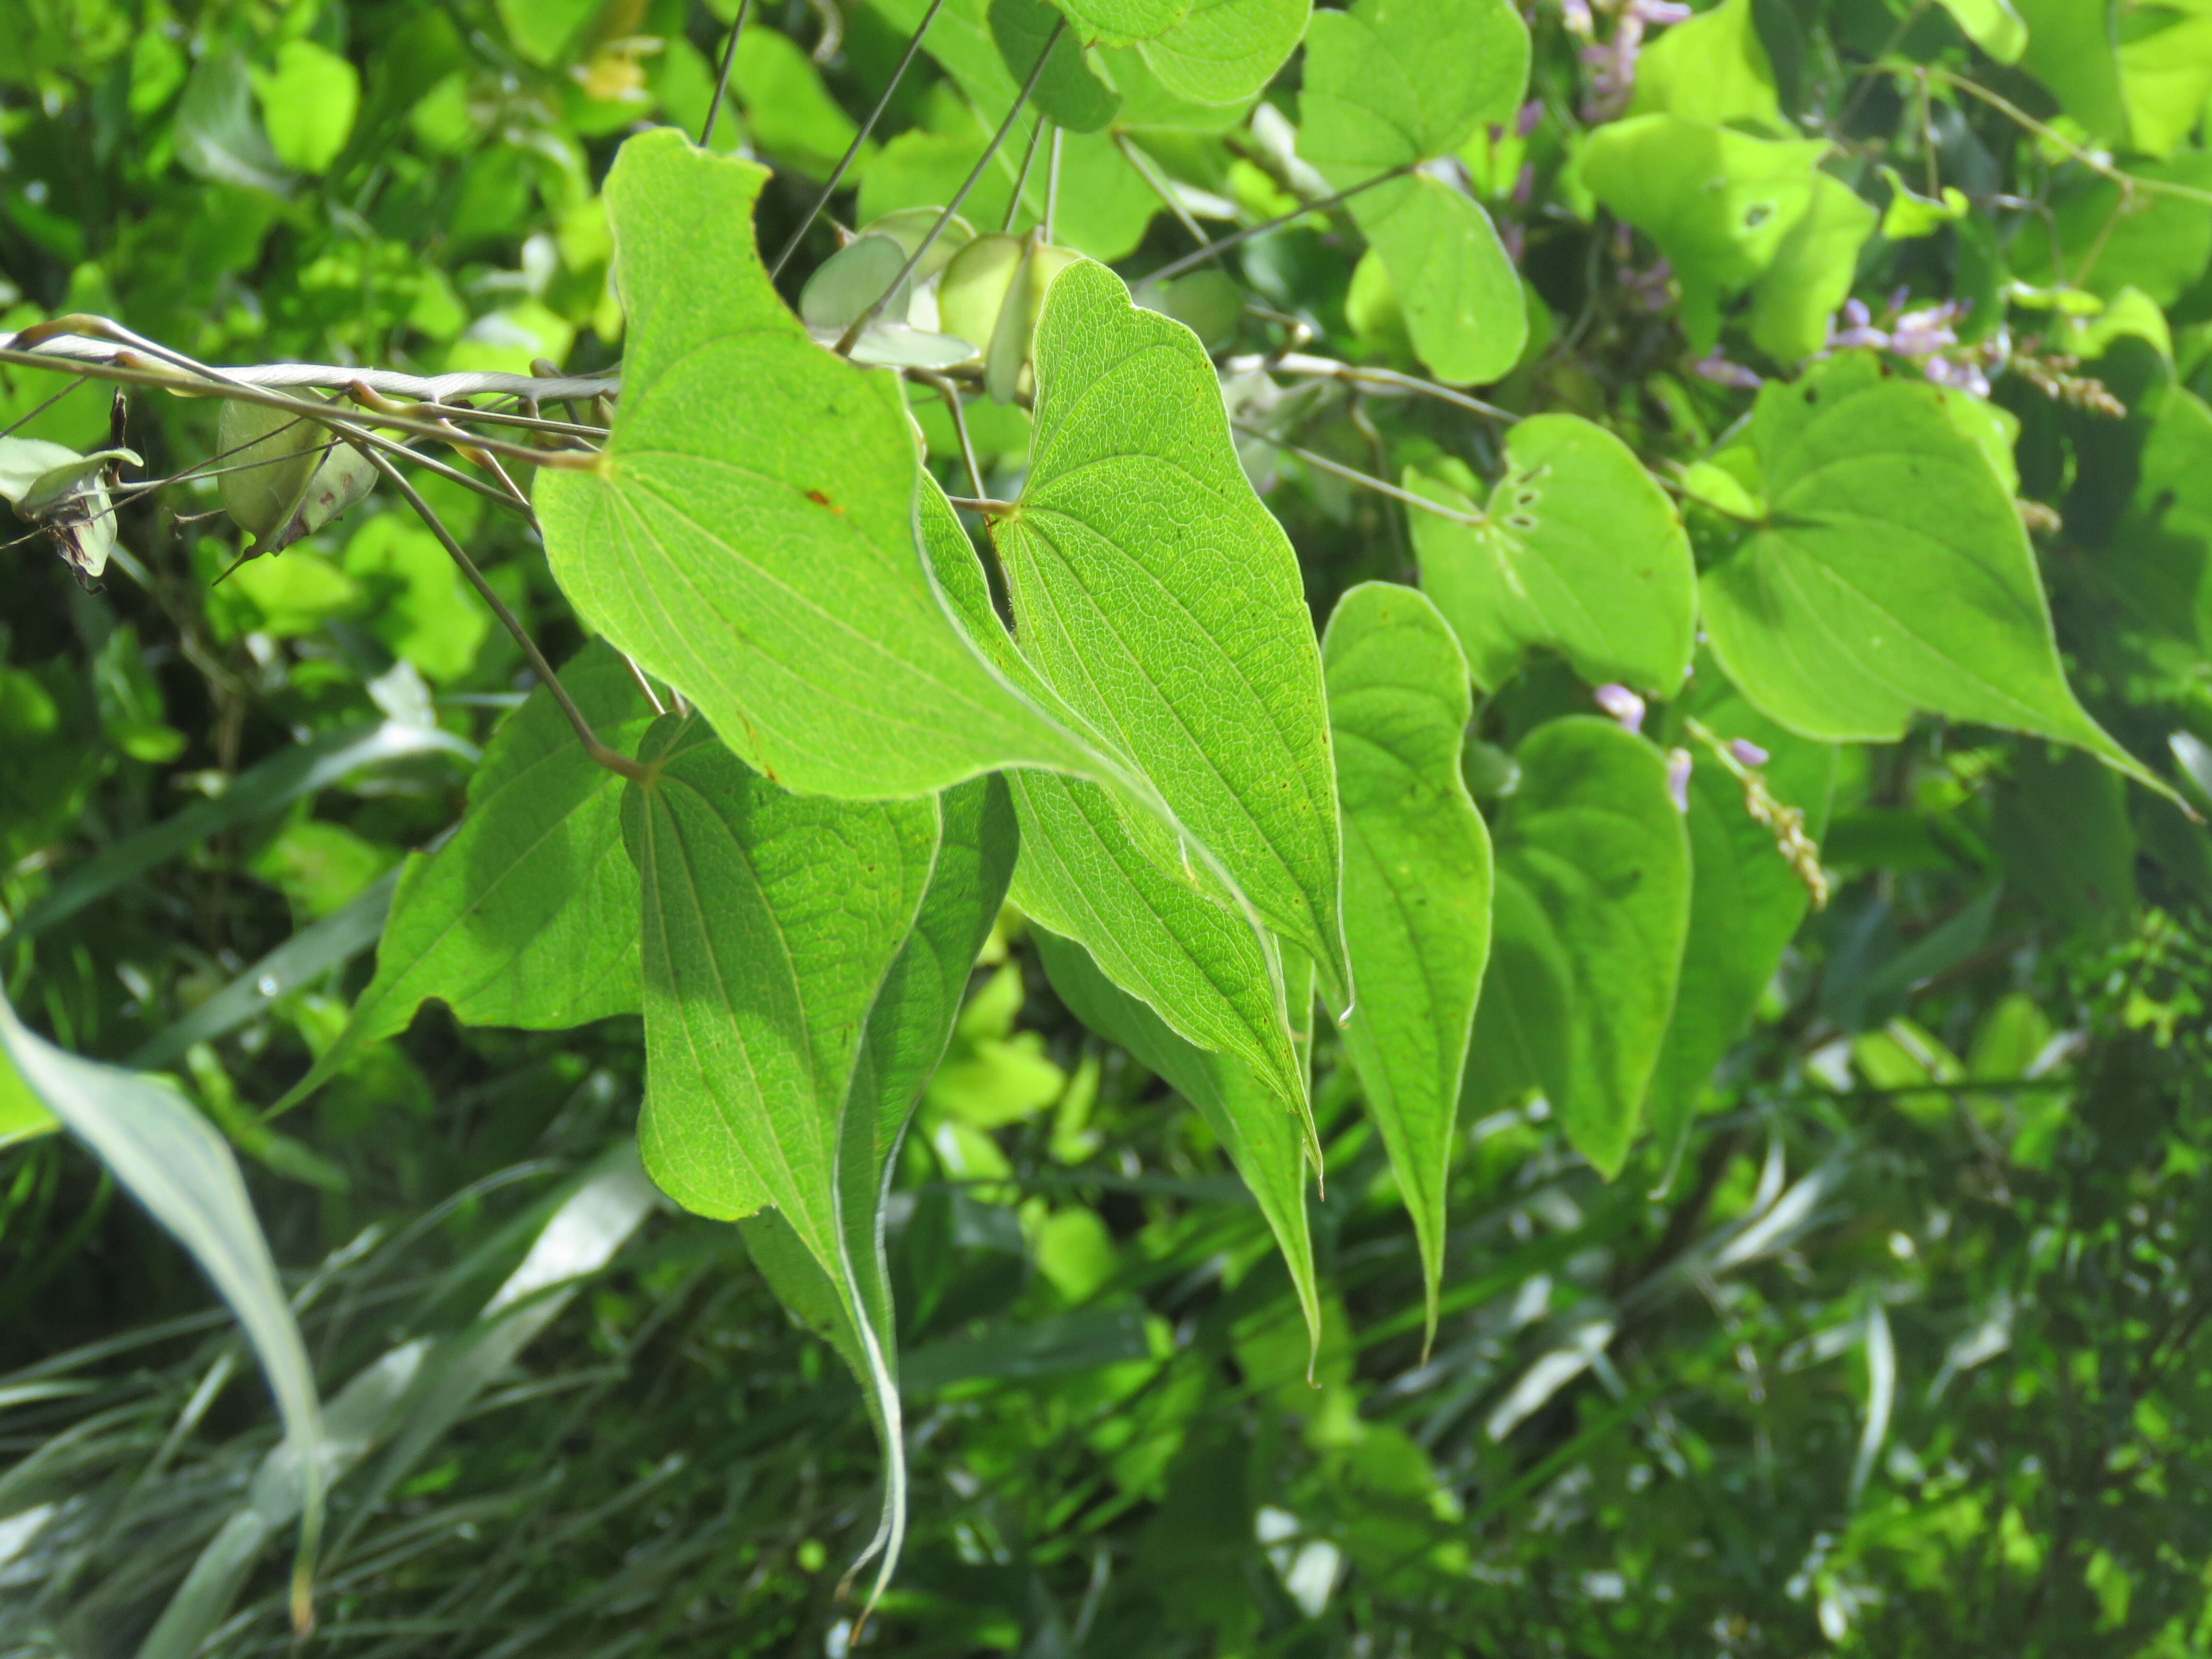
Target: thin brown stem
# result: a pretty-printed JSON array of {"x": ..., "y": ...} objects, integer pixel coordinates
[
  {"x": 1353, "y": 475},
  {"x": 1189, "y": 261},
  {"x": 853, "y": 150},
  {"x": 722, "y": 75},
  {"x": 611, "y": 759}
]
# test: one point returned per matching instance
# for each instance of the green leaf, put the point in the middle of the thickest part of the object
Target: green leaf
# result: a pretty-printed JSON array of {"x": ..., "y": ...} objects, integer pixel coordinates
[
  {"x": 1992, "y": 25},
  {"x": 1183, "y": 949},
  {"x": 2158, "y": 243},
  {"x": 2072, "y": 50},
  {"x": 1592, "y": 911},
  {"x": 1580, "y": 551},
  {"x": 300, "y": 960},
  {"x": 1795, "y": 297},
  {"x": 2062, "y": 828},
  {"x": 21, "y": 1116},
  {"x": 1720, "y": 204},
  {"x": 1067, "y": 91},
  {"x": 1393, "y": 83},
  {"x": 172, "y": 1161},
  {"x": 1225, "y": 51},
  {"x": 1891, "y": 574},
  {"x": 2165, "y": 73},
  {"x": 790, "y": 114},
  {"x": 546, "y": 31},
  {"x": 1162, "y": 603},
  {"x": 218, "y": 137},
  {"x": 1114, "y": 22},
  {"x": 527, "y": 916},
  {"x": 308, "y": 104},
  {"x": 423, "y": 609},
  {"x": 1745, "y": 903},
  {"x": 771, "y": 923},
  {"x": 1244, "y": 1113},
  {"x": 262, "y": 789},
  {"x": 1417, "y": 881},
  {"x": 1713, "y": 67},
  {"x": 752, "y": 538}
]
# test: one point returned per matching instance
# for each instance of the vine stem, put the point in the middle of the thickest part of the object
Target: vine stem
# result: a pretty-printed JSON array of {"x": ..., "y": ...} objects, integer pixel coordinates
[
  {"x": 722, "y": 75},
  {"x": 853, "y": 150},
  {"x": 1307, "y": 366},
  {"x": 611, "y": 759},
  {"x": 1353, "y": 475},
  {"x": 2098, "y": 164},
  {"x": 1036, "y": 73},
  {"x": 1189, "y": 261},
  {"x": 65, "y": 349}
]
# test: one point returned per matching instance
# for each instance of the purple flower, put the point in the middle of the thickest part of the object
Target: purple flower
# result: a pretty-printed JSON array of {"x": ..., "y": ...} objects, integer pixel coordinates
[
  {"x": 1678, "y": 778},
  {"x": 1747, "y": 752},
  {"x": 1963, "y": 377},
  {"x": 1531, "y": 114},
  {"x": 1716, "y": 368},
  {"x": 1623, "y": 704},
  {"x": 1856, "y": 314},
  {"x": 1524, "y": 184},
  {"x": 1924, "y": 332}
]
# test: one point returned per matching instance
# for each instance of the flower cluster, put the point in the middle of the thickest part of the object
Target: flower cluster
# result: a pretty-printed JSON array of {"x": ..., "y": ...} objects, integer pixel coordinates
[
  {"x": 1613, "y": 61},
  {"x": 1928, "y": 337}
]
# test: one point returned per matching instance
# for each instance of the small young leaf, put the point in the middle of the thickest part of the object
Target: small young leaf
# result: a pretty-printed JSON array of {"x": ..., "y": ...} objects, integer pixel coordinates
[
  {"x": 1164, "y": 604},
  {"x": 1262, "y": 1141},
  {"x": 1593, "y": 906},
  {"x": 1580, "y": 551},
  {"x": 1891, "y": 574},
  {"x": 1416, "y": 880},
  {"x": 528, "y": 916}
]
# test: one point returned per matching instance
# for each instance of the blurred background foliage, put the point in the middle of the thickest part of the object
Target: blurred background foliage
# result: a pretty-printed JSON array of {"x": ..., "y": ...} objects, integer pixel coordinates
[{"x": 1904, "y": 1355}]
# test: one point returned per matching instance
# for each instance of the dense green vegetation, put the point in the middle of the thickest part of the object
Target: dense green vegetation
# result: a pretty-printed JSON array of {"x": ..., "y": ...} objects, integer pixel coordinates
[{"x": 1409, "y": 861}]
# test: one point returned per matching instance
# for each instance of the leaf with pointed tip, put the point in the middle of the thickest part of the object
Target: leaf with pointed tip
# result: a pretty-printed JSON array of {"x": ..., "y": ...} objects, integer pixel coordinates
[
  {"x": 1244, "y": 1113},
  {"x": 528, "y": 916},
  {"x": 1162, "y": 602},
  {"x": 1579, "y": 550},
  {"x": 1891, "y": 574},
  {"x": 1416, "y": 880},
  {"x": 750, "y": 536},
  {"x": 1183, "y": 949},
  {"x": 773, "y": 924},
  {"x": 1593, "y": 906},
  {"x": 1745, "y": 905}
]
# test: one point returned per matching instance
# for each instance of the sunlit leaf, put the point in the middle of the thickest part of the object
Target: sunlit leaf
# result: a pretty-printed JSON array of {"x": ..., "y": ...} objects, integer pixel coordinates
[
  {"x": 1891, "y": 574},
  {"x": 1162, "y": 603}
]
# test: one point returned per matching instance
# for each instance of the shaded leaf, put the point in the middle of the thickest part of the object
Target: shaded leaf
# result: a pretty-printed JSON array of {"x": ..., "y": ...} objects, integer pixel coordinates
[
  {"x": 1592, "y": 911},
  {"x": 1417, "y": 881}
]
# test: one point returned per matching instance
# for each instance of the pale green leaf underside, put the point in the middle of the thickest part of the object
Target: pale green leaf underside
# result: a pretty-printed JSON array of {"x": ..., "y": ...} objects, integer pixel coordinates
[
  {"x": 527, "y": 916},
  {"x": 1245, "y": 1116},
  {"x": 752, "y": 538},
  {"x": 1417, "y": 882},
  {"x": 1163, "y": 604},
  {"x": 1593, "y": 906},
  {"x": 1581, "y": 552},
  {"x": 1190, "y": 956},
  {"x": 1892, "y": 575}
]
